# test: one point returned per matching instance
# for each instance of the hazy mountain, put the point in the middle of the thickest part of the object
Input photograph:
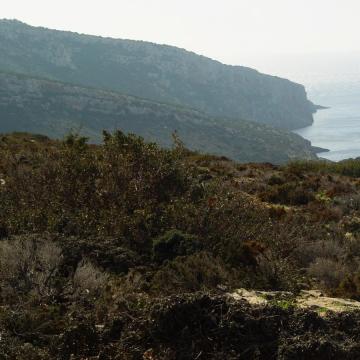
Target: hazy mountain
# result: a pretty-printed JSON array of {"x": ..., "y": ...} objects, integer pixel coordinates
[
  {"x": 54, "y": 108},
  {"x": 158, "y": 72}
]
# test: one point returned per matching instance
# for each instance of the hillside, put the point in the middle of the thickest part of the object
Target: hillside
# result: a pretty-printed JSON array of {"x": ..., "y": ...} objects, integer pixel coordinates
[
  {"x": 129, "y": 251},
  {"x": 157, "y": 72},
  {"x": 55, "y": 108}
]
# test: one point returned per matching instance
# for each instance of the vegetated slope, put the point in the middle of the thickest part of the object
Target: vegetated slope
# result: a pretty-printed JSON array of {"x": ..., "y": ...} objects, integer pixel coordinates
[
  {"x": 55, "y": 108},
  {"x": 158, "y": 72},
  {"x": 106, "y": 251}
]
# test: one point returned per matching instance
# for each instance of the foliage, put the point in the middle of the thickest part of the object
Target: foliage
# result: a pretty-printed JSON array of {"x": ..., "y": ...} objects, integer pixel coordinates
[
  {"x": 349, "y": 167},
  {"x": 91, "y": 233},
  {"x": 174, "y": 243}
]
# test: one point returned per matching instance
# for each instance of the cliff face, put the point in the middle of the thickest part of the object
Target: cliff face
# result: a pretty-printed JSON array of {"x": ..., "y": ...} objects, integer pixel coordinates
[
  {"x": 158, "y": 72},
  {"x": 54, "y": 108}
]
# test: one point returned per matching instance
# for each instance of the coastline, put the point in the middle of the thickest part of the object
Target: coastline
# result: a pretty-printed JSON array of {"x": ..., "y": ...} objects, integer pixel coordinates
[
  {"x": 317, "y": 149},
  {"x": 335, "y": 132}
]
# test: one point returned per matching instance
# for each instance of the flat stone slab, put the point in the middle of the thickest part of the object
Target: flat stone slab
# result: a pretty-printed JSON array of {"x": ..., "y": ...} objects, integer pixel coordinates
[{"x": 307, "y": 299}]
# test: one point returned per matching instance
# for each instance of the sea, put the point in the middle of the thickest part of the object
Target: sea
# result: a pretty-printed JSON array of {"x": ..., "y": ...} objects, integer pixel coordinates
[{"x": 336, "y": 128}]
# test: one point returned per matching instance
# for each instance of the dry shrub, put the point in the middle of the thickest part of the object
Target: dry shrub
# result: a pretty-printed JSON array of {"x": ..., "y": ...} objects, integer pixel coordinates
[
  {"x": 329, "y": 273},
  {"x": 28, "y": 265},
  {"x": 351, "y": 224},
  {"x": 88, "y": 279},
  {"x": 135, "y": 282},
  {"x": 325, "y": 212},
  {"x": 349, "y": 287},
  {"x": 347, "y": 203},
  {"x": 352, "y": 247},
  {"x": 307, "y": 253},
  {"x": 11, "y": 349},
  {"x": 288, "y": 194},
  {"x": 197, "y": 272},
  {"x": 331, "y": 248},
  {"x": 339, "y": 188},
  {"x": 274, "y": 272}
]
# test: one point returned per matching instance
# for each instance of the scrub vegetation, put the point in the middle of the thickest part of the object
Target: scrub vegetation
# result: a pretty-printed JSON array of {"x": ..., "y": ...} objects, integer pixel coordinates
[{"x": 126, "y": 250}]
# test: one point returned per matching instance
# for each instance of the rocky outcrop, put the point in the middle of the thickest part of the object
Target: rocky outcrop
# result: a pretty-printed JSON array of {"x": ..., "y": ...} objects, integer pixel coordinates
[
  {"x": 54, "y": 109},
  {"x": 158, "y": 72},
  {"x": 307, "y": 299}
]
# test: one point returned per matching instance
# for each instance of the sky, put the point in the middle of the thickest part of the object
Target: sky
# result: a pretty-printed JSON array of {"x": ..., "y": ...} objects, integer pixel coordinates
[{"x": 275, "y": 36}]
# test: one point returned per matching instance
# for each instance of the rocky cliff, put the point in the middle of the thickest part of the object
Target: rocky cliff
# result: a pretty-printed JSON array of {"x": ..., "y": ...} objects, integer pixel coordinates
[
  {"x": 55, "y": 108},
  {"x": 158, "y": 72}
]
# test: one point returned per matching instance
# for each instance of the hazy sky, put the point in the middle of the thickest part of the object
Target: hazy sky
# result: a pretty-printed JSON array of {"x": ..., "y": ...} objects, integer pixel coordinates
[{"x": 232, "y": 31}]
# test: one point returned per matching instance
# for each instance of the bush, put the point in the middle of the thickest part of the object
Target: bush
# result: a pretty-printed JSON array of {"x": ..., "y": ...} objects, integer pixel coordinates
[
  {"x": 78, "y": 189},
  {"x": 29, "y": 265},
  {"x": 89, "y": 280},
  {"x": 276, "y": 180},
  {"x": 349, "y": 287},
  {"x": 174, "y": 243},
  {"x": 288, "y": 194},
  {"x": 350, "y": 167},
  {"x": 329, "y": 273},
  {"x": 331, "y": 248},
  {"x": 275, "y": 273},
  {"x": 200, "y": 271}
]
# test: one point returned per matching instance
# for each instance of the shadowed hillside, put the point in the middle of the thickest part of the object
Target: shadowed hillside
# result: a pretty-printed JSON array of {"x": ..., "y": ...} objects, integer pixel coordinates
[
  {"x": 158, "y": 72},
  {"x": 55, "y": 108}
]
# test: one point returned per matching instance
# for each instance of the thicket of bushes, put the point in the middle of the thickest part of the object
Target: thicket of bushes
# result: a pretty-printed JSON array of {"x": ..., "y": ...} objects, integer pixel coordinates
[
  {"x": 349, "y": 167},
  {"x": 89, "y": 231}
]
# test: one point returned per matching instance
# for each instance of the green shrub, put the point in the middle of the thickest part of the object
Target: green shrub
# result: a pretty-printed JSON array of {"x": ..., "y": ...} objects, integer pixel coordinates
[
  {"x": 350, "y": 167},
  {"x": 276, "y": 180},
  {"x": 174, "y": 243}
]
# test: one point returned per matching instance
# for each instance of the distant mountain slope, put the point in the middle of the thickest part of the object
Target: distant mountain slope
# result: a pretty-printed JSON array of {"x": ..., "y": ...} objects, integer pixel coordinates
[
  {"x": 158, "y": 72},
  {"x": 54, "y": 108}
]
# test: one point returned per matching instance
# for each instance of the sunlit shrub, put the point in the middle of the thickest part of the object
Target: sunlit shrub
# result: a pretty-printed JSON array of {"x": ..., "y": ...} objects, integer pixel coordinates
[{"x": 89, "y": 280}]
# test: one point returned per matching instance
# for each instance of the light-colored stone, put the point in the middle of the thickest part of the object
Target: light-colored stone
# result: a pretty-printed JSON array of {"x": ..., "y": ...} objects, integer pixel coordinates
[{"x": 307, "y": 299}]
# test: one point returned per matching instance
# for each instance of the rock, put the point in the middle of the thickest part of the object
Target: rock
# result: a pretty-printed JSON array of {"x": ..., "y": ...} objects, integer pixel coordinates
[{"x": 307, "y": 299}]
